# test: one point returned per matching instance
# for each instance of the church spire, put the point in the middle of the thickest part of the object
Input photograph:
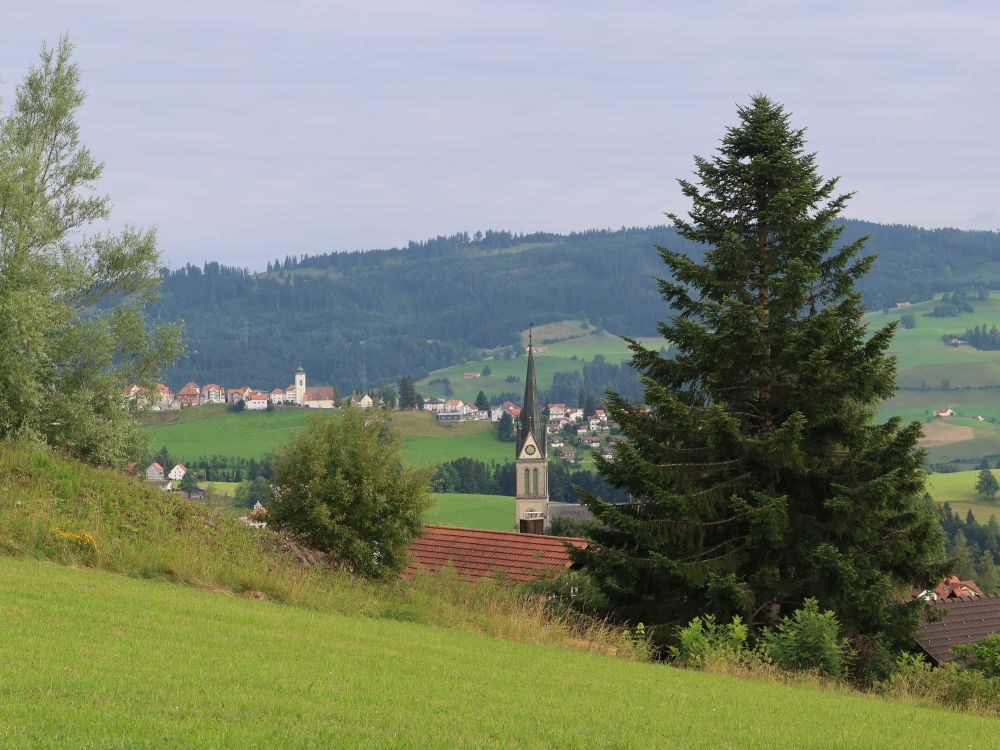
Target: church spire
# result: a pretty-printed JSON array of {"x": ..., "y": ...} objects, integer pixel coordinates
[{"x": 531, "y": 413}]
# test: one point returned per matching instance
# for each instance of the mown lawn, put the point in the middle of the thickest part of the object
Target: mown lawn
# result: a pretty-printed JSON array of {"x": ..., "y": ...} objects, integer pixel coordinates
[{"x": 93, "y": 659}]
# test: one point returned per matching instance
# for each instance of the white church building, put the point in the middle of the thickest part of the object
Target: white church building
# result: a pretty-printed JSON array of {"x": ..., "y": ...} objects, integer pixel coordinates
[{"x": 317, "y": 397}]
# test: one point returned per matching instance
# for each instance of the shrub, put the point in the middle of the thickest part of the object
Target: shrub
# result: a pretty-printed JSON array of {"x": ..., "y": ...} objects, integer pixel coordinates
[
  {"x": 948, "y": 685},
  {"x": 809, "y": 640},
  {"x": 341, "y": 483},
  {"x": 982, "y": 656},
  {"x": 704, "y": 640}
]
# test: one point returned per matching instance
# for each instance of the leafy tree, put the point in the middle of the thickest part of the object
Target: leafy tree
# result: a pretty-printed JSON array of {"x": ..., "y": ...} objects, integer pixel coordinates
[
  {"x": 407, "y": 393},
  {"x": 239, "y": 405},
  {"x": 71, "y": 302},
  {"x": 251, "y": 492},
  {"x": 482, "y": 403},
  {"x": 987, "y": 484},
  {"x": 387, "y": 395},
  {"x": 505, "y": 427},
  {"x": 188, "y": 483},
  {"x": 982, "y": 656},
  {"x": 757, "y": 472},
  {"x": 342, "y": 483}
]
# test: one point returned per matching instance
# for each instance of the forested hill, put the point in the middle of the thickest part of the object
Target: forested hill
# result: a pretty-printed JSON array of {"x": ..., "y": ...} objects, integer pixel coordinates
[{"x": 365, "y": 318}]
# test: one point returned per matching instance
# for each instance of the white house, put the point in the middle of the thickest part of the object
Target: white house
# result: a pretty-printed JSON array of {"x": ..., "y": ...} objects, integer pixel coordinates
[
  {"x": 364, "y": 401},
  {"x": 177, "y": 473},
  {"x": 213, "y": 394},
  {"x": 435, "y": 404},
  {"x": 495, "y": 413},
  {"x": 255, "y": 401},
  {"x": 557, "y": 411},
  {"x": 277, "y": 396}
]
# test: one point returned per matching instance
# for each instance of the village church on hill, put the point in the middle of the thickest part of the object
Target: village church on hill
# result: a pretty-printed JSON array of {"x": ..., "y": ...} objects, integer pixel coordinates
[{"x": 317, "y": 397}]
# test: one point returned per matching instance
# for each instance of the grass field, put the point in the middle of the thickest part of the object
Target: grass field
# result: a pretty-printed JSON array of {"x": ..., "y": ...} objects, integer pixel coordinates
[
  {"x": 563, "y": 356},
  {"x": 959, "y": 490},
  {"x": 192, "y": 435},
  {"x": 93, "y": 659},
  {"x": 494, "y": 512}
]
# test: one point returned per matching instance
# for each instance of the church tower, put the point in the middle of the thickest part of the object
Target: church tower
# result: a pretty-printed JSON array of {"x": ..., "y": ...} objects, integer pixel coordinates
[
  {"x": 532, "y": 499},
  {"x": 300, "y": 386}
]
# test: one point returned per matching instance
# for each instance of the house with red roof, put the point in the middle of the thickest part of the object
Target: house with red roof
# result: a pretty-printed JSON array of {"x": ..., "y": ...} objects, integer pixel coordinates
[
  {"x": 189, "y": 395},
  {"x": 154, "y": 472},
  {"x": 478, "y": 553},
  {"x": 177, "y": 473},
  {"x": 256, "y": 401}
]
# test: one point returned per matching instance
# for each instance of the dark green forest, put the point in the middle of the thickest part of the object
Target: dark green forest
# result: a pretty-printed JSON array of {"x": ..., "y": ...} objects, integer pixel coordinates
[{"x": 359, "y": 319}]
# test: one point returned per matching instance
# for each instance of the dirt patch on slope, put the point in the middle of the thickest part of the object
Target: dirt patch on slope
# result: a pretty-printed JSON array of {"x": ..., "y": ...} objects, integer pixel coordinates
[{"x": 942, "y": 433}]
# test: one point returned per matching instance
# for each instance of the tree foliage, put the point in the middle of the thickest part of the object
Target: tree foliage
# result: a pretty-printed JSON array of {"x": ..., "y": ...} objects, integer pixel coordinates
[
  {"x": 71, "y": 304},
  {"x": 757, "y": 473},
  {"x": 987, "y": 484},
  {"x": 342, "y": 483}
]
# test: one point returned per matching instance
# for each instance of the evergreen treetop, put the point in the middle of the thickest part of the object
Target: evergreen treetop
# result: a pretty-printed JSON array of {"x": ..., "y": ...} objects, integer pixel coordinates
[{"x": 758, "y": 475}]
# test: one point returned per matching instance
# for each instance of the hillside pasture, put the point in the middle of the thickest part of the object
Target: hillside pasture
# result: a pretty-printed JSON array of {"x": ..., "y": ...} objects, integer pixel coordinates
[
  {"x": 98, "y": 660},
  {"x": 958, "y": 489},
  {"x": 252, "y": 434},
  {"x": 564, "y": 356}
]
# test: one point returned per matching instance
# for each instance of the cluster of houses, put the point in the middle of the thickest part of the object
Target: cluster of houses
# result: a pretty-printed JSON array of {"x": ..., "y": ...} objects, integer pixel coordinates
[
  {"x": 159, "y": 476},
  {"x": 298, "y": 394},
  {"x": 949, "y": 412}
]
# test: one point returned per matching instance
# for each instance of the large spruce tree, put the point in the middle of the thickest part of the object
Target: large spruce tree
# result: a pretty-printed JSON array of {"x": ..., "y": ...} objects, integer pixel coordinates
[{"x": 757, "y": 471}]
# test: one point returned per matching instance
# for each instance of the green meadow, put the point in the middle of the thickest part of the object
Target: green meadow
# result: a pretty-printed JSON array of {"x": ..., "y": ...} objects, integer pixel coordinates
[
  {"x": 193, "y": 434},
  {"x": 93, "y": 659},
  {"x": 959, "y": 490},
  {"x": 562, "y": 356},
  {"x": 494, "y": 512}
]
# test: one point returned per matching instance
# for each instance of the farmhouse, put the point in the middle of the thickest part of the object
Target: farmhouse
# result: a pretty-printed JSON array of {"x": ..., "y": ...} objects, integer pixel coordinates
[
  {"x": 363, "y": 401},
  {"x": 177, "y": 473},
  {"x": 470, "y": 375},
  {"x": 154, "y": 472},
  {"x": 944, "y": 413},
  {"x": 568, "y": 456},
  {"x": 556, "y": 411},
  {"x": 477, "y": 553},
  {"x": 434, "y": 404}
]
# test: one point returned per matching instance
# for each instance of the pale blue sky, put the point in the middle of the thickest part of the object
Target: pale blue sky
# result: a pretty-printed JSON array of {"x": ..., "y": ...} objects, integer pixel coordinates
[{"x": 249, "y": 130}]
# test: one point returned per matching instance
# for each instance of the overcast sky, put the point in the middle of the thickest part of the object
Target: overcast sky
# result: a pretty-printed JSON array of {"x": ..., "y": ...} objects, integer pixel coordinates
[{"x": 248, "y": 130}]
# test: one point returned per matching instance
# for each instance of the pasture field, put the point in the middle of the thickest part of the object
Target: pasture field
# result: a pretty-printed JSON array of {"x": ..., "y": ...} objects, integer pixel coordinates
[
  {"x": 959, "y": 490},
  {"x": 93, "y": 659},
  {"x": 251, "y": 435},
  {"x": 493, "y": 512},
  {"x": 563, "y": 356}
]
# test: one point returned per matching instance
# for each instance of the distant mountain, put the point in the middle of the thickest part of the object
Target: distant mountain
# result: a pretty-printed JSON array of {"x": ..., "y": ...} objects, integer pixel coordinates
[{"x": 363, "y": 318}]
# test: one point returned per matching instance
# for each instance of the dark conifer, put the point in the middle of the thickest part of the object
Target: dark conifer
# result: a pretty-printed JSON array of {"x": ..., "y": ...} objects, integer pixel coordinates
[{"x": 757, "y": 472}]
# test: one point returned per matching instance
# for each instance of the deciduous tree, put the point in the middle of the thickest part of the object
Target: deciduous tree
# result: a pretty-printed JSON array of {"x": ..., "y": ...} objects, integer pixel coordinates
[
  {"x": 71, "y": 302},
  {"x": 342, "y": 483}
]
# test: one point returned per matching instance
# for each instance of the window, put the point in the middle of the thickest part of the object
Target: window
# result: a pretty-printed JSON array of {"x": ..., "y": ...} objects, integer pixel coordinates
[
  {"x": 534, "y": 482},
  {"x": 526, "y": 486}
]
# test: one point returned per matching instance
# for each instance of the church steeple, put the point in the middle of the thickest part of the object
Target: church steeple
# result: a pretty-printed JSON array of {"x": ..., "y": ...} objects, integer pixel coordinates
[
  {"x": 531, "y": 464},
  {"x": 531, "y": 413}
]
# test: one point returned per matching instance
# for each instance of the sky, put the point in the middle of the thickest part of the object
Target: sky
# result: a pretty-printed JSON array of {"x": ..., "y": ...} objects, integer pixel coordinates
[{"x": 250, "y": 130}]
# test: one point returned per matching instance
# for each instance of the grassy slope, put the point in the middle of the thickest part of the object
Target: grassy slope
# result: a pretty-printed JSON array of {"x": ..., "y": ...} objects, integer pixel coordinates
[
  {"x": 474, "y": 511},
  {"x": 974, "y": 376},
  {"x": 207, "y": 670},
  {"x": 564, "y": 356},
  {"x": 959, "y": 489},
  {"x": 193, "y": 434}
]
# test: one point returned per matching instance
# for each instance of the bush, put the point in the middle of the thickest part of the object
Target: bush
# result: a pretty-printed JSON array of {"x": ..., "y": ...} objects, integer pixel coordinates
[
  {"x": 809, "y": 640},
  {"x": 982, "y": 656},
  {"x": 948, "y": 685},
  {"x": 341, "y": 483},
  {"x": 704, "y": 640}
]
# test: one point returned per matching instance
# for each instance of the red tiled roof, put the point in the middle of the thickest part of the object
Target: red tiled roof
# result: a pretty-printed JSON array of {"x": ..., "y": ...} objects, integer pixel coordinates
[
  {"x": 476, "y": 553},
  {"x": 319, "y": 393},
  {"x": 965, "y": 621},
  {"x": 953, "y": 587},
  {"x": 156, "y": 466}
]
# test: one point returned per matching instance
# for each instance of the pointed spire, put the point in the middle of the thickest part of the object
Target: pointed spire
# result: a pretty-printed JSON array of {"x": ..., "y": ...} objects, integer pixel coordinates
[{"x": 531, "y": 413}]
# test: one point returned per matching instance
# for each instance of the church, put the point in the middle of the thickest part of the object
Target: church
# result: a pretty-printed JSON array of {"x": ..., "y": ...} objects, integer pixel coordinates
[
  {"x": 316, "y": 397},
  {"x": 532, "y": 465}
]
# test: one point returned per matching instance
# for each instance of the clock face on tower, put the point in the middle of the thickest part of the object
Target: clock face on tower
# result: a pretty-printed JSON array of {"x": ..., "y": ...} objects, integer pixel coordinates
[{"x": 530, "y": 450}]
